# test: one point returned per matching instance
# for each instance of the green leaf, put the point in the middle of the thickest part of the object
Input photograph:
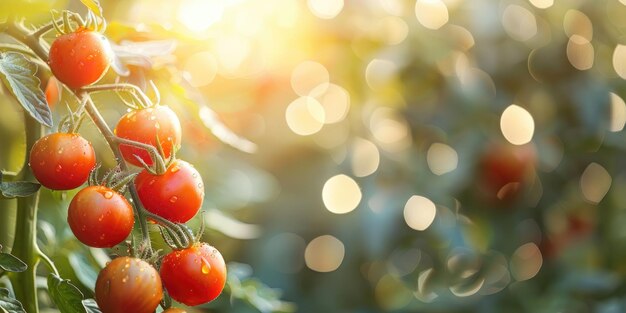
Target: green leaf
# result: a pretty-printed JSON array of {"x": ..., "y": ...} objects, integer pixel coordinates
[
  {"x": 10, "y": 263},
  {"x": 18, "y": 75},
  {"x": 8, "y": 304},
  {"x": 91, "y": 306},
  {"x": 65, "y": 295},
  {"x": 94, "y": 6},
  {"x": 18, "y": 189}
]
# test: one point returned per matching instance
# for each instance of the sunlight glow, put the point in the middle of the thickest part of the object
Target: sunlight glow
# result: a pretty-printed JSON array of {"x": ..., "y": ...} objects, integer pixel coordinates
[
  {"x": 325, "y": 9},
  {"x": 432, "y": 14},
  {"x": 618, "y": 113},
  {"x": 305, "y": 116},
  {"x": 595, "y": 182},
  {"x": 199, "y": 15},
  {"x": 365, "y": 157},
  {"x": 441, "y": 158},
  {"x": 526, "y": 262}
]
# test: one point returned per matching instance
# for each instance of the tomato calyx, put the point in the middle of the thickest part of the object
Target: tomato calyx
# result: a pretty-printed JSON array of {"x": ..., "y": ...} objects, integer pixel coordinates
[
  {"x": 71, "y": 122},
  {"x": 114, "y": 178},
  {"x": 73, "y": 22},
  {"x": 161, "y": 161}
]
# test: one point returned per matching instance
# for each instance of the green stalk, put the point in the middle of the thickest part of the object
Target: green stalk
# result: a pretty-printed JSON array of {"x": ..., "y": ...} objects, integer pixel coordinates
[
  {"x": 25, "y": 245},
  {"x": 8, "y": 215}
]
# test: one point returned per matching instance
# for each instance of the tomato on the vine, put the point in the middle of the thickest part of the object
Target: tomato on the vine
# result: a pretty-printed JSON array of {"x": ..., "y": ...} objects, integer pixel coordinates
[
  {"x": 80, "y": 58},
  {"x": 194, "y": 275},
  {"x": 176, "y": 195},
  {"x": 128, "y": 285},
  {"x": 62, "y": 161},
  {"x": 100, "y": 217},
  {"x": 143, "y": 126}
]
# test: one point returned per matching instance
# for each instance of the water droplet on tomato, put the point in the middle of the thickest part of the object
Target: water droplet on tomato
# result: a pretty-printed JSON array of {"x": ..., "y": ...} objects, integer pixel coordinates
[
  {"x": 173, "y": 199},
  {"x": 125, "y": 279},
  {"x": 58, "y": 168},
  {"x": 152, "y": 117},
  {"x": 157, "y": 126},
  {"x": 200, "y": 185},
  {"x": 42, "y": 163},
  {"x": 151, "y": 182},
  {"x": 60, "y": 150},
  {"x": 194, "y": 175},
  {"x": 175, "y": 169},
  {"x": 101, "y": 218},
  {"x": 206, "y": 266},
  {"x": 108, "y": 194}
]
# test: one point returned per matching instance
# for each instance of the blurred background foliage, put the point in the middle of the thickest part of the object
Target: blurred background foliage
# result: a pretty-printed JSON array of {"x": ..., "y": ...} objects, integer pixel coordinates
[{"x": 408, "y": 155}]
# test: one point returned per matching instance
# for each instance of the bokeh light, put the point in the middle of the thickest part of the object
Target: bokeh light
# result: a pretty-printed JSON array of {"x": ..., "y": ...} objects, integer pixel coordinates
[
  {"x": 526, "y": 262},
  {"x": 341, "y": 194},
  {"x": 201, "y": 68},
  {"x": 618, "y": 113},
  {"x": 517, "y": 125},
  {"x": 325, "y": 9},
  {"x": 419, "y": 212},
  {"x": 305, "y": 116},
  {"x": 441, "y": 158},
  {"x": 519, "y": 22},
  {"x": 432, "y": 14},
  {"x": 324, "y": 254},
  {"x": 309, "y": 75},
  {"x": 365, "y": 157},
  {"x": 199, "y": 15},
  {"x": 595, "y": 182},
  {"x": 334, "y": 99}
]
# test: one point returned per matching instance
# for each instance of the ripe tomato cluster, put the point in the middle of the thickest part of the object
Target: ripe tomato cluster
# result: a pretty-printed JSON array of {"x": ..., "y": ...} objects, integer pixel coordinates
[{"x": 100, "y": 215}]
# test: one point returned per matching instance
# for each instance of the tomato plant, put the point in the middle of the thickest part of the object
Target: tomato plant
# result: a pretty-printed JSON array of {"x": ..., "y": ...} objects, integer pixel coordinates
[
  {"x": 80, "y": 58},
  {"x": 146, "y": 125},
  {"x": 62, "y": 161},
  {"x": 175, "y": 195},
  {"x": 100, "y": 217},
  {"x": 194, "y": 275},
  {"x": 128, "y": 285}
]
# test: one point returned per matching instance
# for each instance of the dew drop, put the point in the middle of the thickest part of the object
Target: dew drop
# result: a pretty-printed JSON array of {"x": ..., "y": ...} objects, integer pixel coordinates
[
  {"x": 60, "y": 150},
  {"x": 108, "y": 194},
  {"x": 101, "y": 218},
  {"x": 151, "y": 182},
  {"x": 125, "y": 279},
  {"x": 42, "y": 163},
  {"x": 157, "y": 125},
  {"x": 152, "y": 117},
  {"x": 194, "y": 175},
  {"x": 206, "y": 266},
  {"x": 200, "y": 185},
  {"x": 58, "y": 168},
  {"x": 175, "y": 169},
  {"x": 173, "y": 199}
]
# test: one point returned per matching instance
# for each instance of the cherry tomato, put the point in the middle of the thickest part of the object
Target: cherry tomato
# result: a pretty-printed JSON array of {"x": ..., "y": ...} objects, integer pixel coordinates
[
  {"x": 62, "y": 161},
  {"x": 100, "y": 217},
  {"x": 144, "y": 125},
  {"x": 176, "y": 195},
  {"x": 174, "y": 310},
  {"x": 505, "y": 169},
  {"x": 194, "y": 275},
  {"x": 53, "y": 92},
  {"x": 80, "y": 58},
  {"x": 128, "y": 285}
]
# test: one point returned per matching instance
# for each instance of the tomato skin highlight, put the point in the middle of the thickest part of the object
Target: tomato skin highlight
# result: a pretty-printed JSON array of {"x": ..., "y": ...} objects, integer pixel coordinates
[
  {"x": 100, "y": 217},
  {"x": 144, "y": 125},
  {"x": 128, "y": 285},
  {"x": 194, "y": 275},
  {"x": 62, "y": 161},
  {"x": 174, "y": 310},
  {"x": 176, "y": 195},
  {"x": 80, "y": 58},
  {"x": 53, "y": 92}
]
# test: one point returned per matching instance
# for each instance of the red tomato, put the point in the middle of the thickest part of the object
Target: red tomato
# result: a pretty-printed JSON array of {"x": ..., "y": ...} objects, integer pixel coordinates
[
  {"x": 80, "y": 58},
  {"x": 62, "y": 161},
  {"x": 128, "y": 285},
  {"x": 176, "y": 195},
  {"x": 53, "y": 92},
  {"x": 194, "y": 275},
  {"x": 144, "y": 125},
  {"x": 100, "y": 217},
  {"x": 504, "y": 169}
]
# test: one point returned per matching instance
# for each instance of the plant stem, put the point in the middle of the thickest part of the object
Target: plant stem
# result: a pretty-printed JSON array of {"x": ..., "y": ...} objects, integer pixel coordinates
[
  {"x": 98, "y": 120},
  {"x": 25, "y": 247}
]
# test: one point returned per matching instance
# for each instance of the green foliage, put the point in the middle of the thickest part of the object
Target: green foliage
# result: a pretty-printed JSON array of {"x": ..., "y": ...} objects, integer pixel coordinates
[
  {"x": 94, "y": 6},
  {"x": 18, "y": 75},
  {"x": 10, "y": 263},
  {"x": 17, "y": 188},
  {"x": 243, "y": 287},
  {"x": 9, "y": 304},
  {"x": 66, "y": 296}
]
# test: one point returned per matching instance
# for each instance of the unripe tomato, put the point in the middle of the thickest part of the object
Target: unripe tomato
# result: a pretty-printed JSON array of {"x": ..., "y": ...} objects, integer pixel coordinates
[
  {"x": 144, "y": 125},
  {"x": 194, "y": 275},
  {"x": 80, "y": 58},
  {"x": 100, "y": 217},
  {"x": 62, "y": 161},
  {"x": 176, "y": 195},
  {"x": 128, "y": 285},
  {"x": 174, "y": 310}
]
